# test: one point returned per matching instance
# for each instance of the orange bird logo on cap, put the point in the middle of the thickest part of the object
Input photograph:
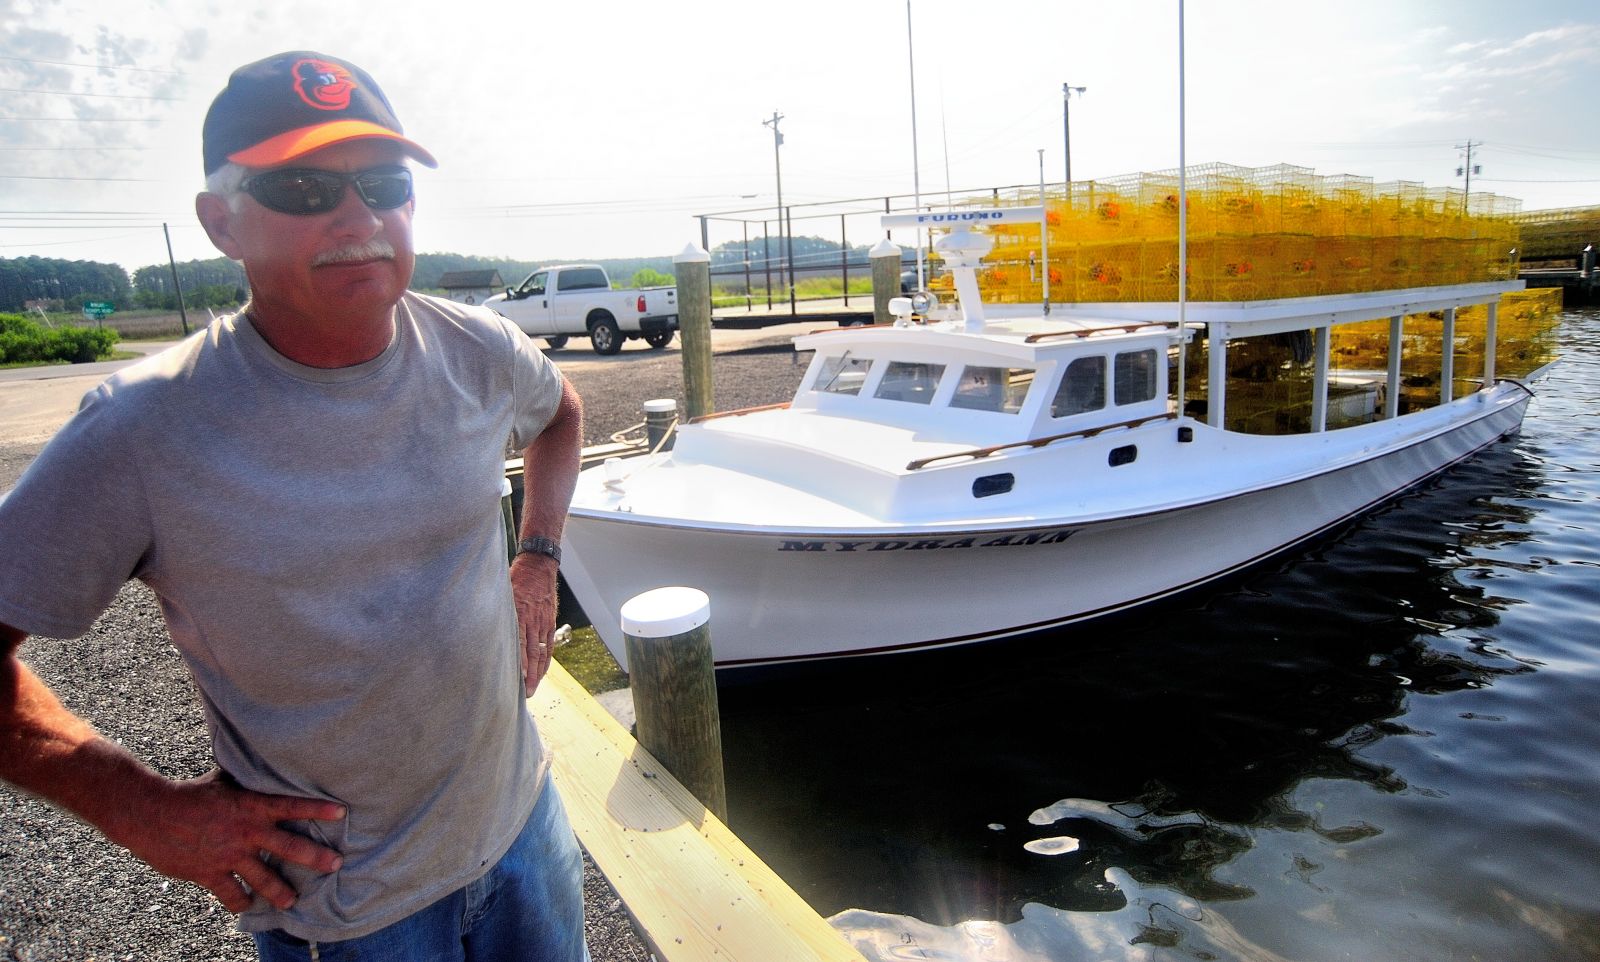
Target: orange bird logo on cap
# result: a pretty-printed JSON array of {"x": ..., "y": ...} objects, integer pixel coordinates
[{"x": 323, "y": 85}]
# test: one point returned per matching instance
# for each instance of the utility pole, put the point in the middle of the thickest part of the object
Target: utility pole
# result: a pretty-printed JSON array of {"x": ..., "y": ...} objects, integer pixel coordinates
[
  {"x": 1067, "y": 90},
  {"x": 777, "y": 160},
  {"x": 1468, "y": 169},
  {"x": 183, "y": 315}
]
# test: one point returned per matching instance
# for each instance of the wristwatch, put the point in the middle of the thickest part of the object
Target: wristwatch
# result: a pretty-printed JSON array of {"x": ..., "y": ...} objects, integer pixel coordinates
[{"x": 540, "y": 545}]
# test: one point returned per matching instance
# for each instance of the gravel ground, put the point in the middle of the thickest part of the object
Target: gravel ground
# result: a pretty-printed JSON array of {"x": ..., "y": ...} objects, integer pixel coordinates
[{"x": 68, "y": 895}]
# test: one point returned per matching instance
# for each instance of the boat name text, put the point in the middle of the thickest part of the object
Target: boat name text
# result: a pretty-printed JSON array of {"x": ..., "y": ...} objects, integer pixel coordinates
[
  {"x": 963, "y": 217},
  {"x": 928, "y": 544}
]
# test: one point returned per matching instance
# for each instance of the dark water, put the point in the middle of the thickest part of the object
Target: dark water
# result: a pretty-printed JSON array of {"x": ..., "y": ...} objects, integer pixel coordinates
[{"x": 1386, "y": 746}]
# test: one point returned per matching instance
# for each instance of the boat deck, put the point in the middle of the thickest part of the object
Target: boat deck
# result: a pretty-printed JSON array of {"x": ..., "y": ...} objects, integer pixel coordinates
[{"x": 783, "y": 460}]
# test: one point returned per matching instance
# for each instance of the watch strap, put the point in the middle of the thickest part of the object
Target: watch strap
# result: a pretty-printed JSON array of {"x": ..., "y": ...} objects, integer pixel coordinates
[{"x": 541, "y": 545}]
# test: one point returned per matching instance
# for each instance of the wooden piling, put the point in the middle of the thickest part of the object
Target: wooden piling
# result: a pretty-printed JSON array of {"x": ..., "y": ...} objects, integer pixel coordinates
[
  {"x": 885, "y": 260},
  {"x": 693, "y": 889},
  {"x": 674, "y": 684},
  {"x": 660, "y": 419},
  {"x": 692, "y": 268},
  {"x": 508, "y": 518}
]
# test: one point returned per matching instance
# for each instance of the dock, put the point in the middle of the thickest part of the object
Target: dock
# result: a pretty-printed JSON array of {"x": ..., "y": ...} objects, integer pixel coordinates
[
  {"x": 694, "y": 890},
  {"x": 1578, "y": 286}
]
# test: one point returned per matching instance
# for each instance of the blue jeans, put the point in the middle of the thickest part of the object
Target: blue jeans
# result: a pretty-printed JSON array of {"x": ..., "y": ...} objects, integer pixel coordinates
[{"x": 528, "y": 908}]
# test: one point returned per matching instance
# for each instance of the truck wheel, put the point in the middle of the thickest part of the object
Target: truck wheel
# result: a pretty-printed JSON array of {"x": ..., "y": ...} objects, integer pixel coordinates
[
  {"x": 605, "y": 336},
  {"x": 556, "y": 343},
  {"x": 658, "y": 339}
]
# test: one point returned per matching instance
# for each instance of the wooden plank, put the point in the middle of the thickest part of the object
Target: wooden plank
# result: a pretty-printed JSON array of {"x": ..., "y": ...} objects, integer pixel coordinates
[{"x": 695, "y": 891}]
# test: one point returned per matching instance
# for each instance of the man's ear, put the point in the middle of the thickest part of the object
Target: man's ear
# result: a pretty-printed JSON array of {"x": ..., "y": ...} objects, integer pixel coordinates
[{"x": 217, "y": 219}]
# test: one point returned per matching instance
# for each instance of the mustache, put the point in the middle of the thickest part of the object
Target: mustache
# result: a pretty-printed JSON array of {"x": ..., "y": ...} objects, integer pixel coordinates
[{"x": 375, "y": 249}]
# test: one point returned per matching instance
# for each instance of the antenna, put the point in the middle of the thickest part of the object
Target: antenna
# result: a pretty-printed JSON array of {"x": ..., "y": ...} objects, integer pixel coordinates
[
  {"x": 916, "y": 166},
  {"x": 1183, "y": 228}
]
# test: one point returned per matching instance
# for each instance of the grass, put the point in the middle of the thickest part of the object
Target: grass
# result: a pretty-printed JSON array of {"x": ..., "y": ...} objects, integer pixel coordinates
[
  {"x": 588, "y": 660},
  {"x": 809, "y": 289},
  {"x": 139, "y": 324}
]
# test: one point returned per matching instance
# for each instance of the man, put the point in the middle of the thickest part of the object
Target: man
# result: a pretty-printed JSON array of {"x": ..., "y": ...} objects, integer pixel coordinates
[{"x": 311, "y": 488}]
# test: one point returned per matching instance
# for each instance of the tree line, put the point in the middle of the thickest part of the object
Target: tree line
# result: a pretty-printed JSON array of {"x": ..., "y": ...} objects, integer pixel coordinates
[{"x": 220, "y": 282}]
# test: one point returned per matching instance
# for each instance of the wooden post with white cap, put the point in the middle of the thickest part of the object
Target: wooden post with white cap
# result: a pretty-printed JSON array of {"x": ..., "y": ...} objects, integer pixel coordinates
[
  {"x": 674, "y": 686},
  {"x": 885, "y": 260},
  {"x": 692, "y": 268}
]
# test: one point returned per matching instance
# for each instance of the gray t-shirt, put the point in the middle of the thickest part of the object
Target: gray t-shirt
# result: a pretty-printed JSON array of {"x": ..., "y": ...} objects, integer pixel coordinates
[{"x": 328, "y": 550}]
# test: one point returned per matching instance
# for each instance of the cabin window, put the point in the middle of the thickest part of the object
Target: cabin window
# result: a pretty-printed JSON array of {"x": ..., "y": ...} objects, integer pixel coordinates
[
  {"x": 843, "y": 374},
  {"x": 1083, "y": 388},
  {"x": 1135, "y": 379},
  {"x": 1000, "y": 389},
  {"x": 906, "y": 381}
]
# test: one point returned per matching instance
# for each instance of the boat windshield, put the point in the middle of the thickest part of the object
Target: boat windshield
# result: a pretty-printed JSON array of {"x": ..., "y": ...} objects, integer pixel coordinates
[
  {"x": 1135, "y": 379},
  {"x": 843, "y": 374},
  {"x": 910, "y": 381},
  {"x": 1001, "y": 389},
  {"x": 1083, "y": 388}
]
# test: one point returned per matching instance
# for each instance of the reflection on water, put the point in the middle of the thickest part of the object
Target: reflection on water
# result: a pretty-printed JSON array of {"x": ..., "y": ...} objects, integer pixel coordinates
[{"x": 1384, "y": 746}]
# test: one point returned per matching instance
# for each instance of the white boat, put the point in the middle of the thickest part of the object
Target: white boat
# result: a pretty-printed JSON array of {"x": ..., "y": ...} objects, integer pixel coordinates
[{"x": 984, "y": 472}]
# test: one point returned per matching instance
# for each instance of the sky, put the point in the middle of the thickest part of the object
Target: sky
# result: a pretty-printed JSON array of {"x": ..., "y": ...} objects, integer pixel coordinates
[{"x": 603, "y": 128}]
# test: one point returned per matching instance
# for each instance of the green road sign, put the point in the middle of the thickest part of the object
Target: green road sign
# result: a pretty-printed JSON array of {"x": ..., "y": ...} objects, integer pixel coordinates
[{"x": 97, "y": 309}]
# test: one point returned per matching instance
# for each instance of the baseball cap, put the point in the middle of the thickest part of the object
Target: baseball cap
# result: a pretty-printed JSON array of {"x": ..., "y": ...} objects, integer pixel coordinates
[{"x": 288, "y": 105}]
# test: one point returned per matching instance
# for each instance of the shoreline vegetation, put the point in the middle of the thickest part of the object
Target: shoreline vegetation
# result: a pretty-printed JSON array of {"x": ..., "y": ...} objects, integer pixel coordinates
[{"x": 26, "y": 342}]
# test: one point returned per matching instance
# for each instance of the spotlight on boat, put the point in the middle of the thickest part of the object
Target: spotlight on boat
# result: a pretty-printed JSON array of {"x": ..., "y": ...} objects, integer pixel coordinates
[
  {"x": 924, "y": 303},
  {"x": 902, "y": 309}
]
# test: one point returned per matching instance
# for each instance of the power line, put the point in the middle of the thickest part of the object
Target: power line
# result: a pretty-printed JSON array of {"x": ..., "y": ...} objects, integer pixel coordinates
[
  {"x": 88, "y": 240},
  {"x": 95, "y": 66},
  {"x": 74, "y": 93},
  {"x": 1508, "y": 180},
  {"x": 84, "y": 120},
  {"x": 117, "y": 180},
  {"x": 69, "y": 147}
]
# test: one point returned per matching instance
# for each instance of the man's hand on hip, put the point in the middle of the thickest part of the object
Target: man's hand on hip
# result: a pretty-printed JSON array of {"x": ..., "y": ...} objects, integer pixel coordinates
[
  {"x": 209, "y": 831},
  {"x": 533, "y": 586}
]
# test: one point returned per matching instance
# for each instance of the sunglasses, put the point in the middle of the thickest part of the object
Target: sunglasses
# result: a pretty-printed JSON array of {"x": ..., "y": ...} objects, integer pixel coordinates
[{"x": 300, "y": 190}]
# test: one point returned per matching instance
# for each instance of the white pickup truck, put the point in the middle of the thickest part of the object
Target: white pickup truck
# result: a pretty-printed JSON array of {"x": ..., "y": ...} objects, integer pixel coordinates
[{"x": 555, "y": 303}]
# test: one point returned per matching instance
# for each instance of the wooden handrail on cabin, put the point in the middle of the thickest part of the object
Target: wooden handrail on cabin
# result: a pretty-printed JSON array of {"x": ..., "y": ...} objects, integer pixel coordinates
[
  {"x": 1036, "y": 338},
  {"x": 728, "y": 414},
  {"x": 850, "y": 327},
  {"x": 979, "y": 453}
]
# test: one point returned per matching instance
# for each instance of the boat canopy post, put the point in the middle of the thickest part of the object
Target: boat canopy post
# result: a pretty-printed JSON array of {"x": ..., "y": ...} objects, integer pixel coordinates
[
  {"x": 1319, "y": 388},
  {"x": 1217, "y": 348},
  {"x": 1391, "y": 397},
  {"x": 1447, "y": 358},
  {"x": 1490, "y": 332}
]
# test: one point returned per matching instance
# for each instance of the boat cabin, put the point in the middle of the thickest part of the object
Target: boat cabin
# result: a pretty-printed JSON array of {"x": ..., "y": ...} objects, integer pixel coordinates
[{"x": 1008, "y": 384}]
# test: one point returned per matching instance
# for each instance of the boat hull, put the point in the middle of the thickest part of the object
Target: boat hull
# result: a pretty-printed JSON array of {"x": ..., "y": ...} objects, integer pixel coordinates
[{"x": 779, "y": 596}]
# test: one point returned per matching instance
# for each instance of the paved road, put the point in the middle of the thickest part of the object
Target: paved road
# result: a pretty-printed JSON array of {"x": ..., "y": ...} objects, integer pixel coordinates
[{"x": 36, "y": 401}]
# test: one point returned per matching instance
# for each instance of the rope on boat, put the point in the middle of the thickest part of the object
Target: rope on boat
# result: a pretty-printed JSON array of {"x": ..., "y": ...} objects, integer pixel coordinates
[{"x": 1511, "y": 380}]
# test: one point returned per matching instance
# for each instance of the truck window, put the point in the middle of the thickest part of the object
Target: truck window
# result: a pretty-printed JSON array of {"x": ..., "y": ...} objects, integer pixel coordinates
[
  {"x": 583, "y": 279},
  {"x": 534, "y": 285}
]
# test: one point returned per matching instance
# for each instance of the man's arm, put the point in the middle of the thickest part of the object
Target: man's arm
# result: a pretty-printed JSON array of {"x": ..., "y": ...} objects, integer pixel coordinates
[
  {"x": 205, "y": 830},
  {"x": 549, "y": 473}
]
